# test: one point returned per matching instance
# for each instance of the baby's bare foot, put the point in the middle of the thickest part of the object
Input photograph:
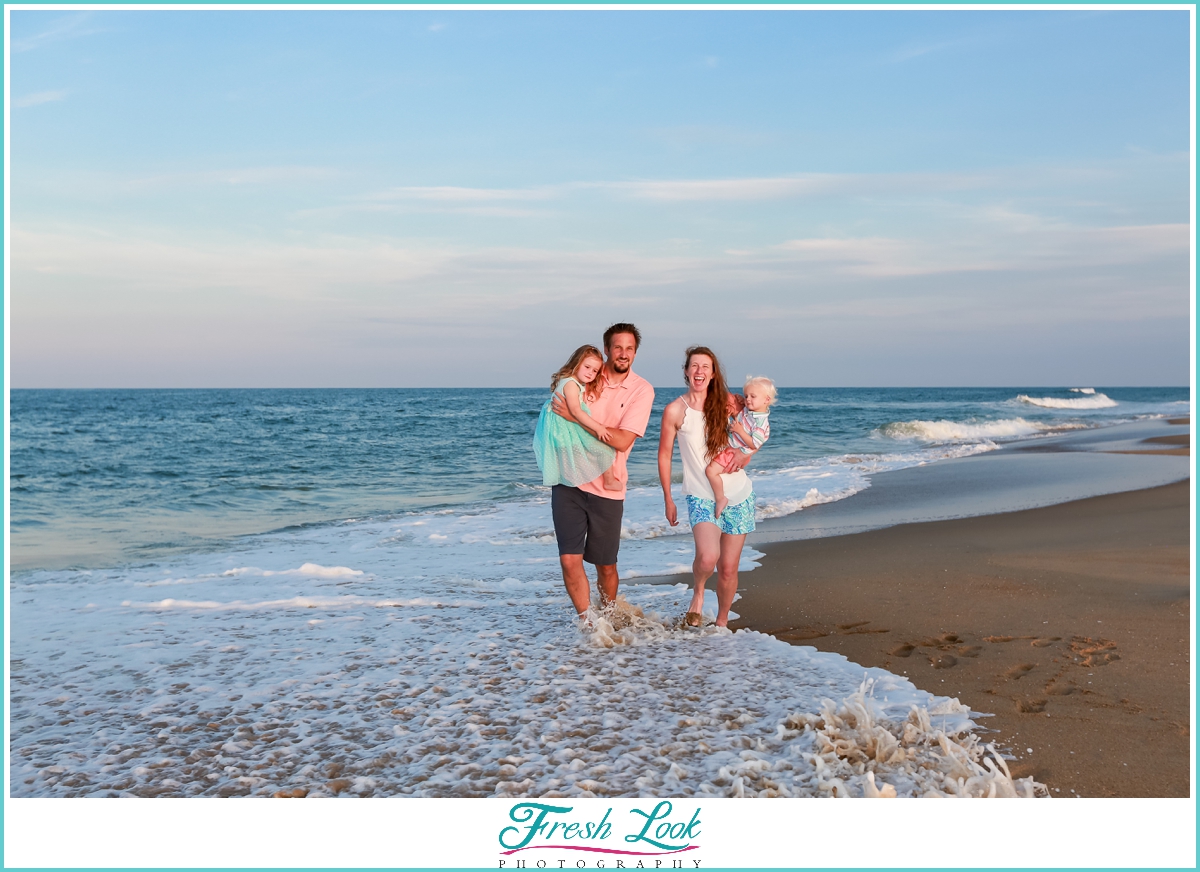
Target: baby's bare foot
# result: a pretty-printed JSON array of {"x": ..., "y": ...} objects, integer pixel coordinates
[
  {"x": 721, "y": 504},
  {"x": 611, "y": 482}
]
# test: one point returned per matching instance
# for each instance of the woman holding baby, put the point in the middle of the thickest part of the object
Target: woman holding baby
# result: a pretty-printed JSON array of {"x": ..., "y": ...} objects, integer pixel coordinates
[{"x": 700, "y": 420}]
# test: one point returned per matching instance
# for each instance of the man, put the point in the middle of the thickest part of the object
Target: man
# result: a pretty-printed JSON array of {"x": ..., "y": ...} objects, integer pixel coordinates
[{"x": 587, "y": 519}]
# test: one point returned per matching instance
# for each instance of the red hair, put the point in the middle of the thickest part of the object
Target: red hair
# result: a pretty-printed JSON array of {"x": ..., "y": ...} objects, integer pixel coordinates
[{"x": 716, "y": 403}]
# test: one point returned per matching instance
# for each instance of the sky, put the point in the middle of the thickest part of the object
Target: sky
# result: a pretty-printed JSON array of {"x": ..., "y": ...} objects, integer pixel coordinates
[{"x": 459, "y": 198}]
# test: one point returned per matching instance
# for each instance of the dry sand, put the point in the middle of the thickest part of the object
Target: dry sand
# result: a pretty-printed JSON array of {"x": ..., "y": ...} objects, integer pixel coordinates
[{"x": 1070, "y": 623}]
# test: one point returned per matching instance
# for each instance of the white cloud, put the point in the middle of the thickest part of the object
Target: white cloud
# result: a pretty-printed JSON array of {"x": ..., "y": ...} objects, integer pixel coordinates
[
  {"x": 90, "y": 184},
  {"x": 349, "y": 267},
  {"x": 67, "y": 27},
  {"x": 373, "y": 311},
  {"x": 1014, "y": 248},
  {"x": 916, "y": 50},
  {"x": 454, "y": 194},
  {"x": 38, "y": 98}
]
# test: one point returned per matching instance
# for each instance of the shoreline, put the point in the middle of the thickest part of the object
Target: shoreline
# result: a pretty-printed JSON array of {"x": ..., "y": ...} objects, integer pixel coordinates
[{"x": 1068, "y": 622}]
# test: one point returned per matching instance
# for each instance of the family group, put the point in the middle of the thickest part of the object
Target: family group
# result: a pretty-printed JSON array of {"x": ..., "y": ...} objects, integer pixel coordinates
[{"x": 598, "y": 408}]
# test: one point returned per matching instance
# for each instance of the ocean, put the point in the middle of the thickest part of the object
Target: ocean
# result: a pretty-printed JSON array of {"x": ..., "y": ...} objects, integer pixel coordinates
[{"x": 356, "y": 592}]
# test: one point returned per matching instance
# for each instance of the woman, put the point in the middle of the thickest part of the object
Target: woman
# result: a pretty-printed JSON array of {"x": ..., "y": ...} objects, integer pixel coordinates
[{"x": 699, "y": 419}]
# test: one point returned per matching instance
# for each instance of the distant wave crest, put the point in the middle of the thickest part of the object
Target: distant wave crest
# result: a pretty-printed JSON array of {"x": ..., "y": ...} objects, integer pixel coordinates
[
  {"x": 1083, "y": 390},
  {"x": 1092, "y": 401},
  {"x": 961, "y": 431}
]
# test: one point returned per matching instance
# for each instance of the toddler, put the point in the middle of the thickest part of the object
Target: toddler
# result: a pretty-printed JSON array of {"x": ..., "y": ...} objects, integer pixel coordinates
[{"x": 748, "y": 430}]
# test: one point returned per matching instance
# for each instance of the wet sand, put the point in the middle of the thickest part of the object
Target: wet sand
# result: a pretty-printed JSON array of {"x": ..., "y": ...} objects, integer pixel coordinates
[{"x": 1069, "y": 622}]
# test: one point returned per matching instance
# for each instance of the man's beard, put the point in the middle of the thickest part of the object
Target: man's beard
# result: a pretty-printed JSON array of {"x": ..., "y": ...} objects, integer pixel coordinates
[{"x": 619, "y": 366}]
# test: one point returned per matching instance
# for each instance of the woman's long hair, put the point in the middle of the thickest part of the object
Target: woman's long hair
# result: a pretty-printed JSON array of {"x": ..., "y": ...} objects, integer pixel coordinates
[
  {"x": 593, "y": 388},
  {"x": 716, "y": 404}
]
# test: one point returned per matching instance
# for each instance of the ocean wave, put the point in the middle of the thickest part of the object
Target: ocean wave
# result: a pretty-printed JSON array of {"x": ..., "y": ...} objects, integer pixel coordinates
[
  {"x": 961, "y": 431},
  {"x": 1092, "y": 401},
  {"x": 1083, "y": 390}
]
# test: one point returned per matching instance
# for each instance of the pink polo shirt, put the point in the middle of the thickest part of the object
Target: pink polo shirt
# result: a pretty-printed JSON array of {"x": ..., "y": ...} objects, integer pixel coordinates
[{"x": 624, "y": 406}]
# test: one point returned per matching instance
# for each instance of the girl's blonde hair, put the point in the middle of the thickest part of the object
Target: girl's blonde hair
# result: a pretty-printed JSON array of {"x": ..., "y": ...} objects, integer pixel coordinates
[
  {"x": 763, "y": 382},
  {"x": 593, "y": 388}
]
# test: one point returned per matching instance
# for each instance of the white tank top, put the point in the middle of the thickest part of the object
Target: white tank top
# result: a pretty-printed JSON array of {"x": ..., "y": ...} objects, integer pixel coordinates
[{"x": 692, "y": 451}]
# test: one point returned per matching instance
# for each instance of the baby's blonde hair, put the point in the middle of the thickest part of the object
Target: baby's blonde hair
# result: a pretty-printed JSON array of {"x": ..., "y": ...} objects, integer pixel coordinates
[{"x": 763, "y": 382}]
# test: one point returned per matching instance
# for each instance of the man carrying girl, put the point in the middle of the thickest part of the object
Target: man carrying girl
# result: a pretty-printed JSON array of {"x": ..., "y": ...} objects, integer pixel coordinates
[{"x": 614, "y": 405}]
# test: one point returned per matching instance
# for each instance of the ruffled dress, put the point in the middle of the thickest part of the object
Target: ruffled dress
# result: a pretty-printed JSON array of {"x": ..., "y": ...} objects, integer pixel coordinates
[{"x": 566, "y": 452}]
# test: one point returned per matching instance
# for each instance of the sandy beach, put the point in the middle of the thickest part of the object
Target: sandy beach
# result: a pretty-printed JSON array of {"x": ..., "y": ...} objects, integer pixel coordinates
[{"x": 1069, "y": 623}]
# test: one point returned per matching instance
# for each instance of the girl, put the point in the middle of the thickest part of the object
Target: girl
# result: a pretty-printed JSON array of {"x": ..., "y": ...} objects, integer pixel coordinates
[{"x": 567, "y": 453}]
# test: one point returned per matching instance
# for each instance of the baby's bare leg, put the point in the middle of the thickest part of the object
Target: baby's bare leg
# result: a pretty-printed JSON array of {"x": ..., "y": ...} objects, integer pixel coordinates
[{"x": 713, "y": 473}]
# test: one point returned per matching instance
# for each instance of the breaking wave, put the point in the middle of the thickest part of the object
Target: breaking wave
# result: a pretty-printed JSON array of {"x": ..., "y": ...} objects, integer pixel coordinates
[
  {"x": 1091, "y": 401},
  {"x": 962, "y": 431}
]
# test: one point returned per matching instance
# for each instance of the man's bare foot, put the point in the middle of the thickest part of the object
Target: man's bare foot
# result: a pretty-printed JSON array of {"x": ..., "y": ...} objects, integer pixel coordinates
[
  {"x": 721, "y": 504},
  {"x": 611, "y": 482}
]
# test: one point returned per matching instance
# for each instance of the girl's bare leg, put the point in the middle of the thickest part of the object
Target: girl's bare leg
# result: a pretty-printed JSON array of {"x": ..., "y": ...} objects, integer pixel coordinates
[
  {"x": 611, "y": 482},
  {"x": 727, "y": 574}
]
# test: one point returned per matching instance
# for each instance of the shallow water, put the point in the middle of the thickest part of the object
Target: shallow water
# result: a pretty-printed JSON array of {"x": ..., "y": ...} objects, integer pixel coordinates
[{"x": 404, "y": 631}]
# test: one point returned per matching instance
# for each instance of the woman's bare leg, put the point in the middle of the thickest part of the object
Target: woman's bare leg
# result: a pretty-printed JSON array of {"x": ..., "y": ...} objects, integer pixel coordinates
[
  {"x": 708, "y": 550},
  {"x": 727, "y": 574}
]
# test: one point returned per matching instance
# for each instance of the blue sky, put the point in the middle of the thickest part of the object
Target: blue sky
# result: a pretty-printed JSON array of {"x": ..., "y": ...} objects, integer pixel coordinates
[{"x": 424, "y": 198}]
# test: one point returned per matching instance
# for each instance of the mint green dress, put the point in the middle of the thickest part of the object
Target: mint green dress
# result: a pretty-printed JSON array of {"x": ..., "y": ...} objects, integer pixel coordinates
[{"x": 566, "y": 452}]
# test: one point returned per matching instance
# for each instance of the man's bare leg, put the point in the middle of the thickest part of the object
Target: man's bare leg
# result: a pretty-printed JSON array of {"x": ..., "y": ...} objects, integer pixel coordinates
[
  {"x": 575, "y": 579},
  {"x": 607, "y": 580}
]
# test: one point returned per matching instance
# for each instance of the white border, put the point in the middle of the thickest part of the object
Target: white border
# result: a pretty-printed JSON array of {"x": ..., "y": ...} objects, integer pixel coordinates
[{"x": 1110, "y": 833}]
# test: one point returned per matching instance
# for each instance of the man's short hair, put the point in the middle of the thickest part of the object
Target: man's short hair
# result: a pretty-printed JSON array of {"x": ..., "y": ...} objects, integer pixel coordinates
[{"x": 622, "y": 327}]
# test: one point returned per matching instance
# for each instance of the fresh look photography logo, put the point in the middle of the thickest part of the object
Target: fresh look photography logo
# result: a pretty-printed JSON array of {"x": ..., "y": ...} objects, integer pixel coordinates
[{"x": 639, "y": 839}]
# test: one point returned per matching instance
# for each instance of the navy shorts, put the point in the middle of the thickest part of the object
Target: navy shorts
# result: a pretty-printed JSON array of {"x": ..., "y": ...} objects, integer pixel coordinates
[{"x": 586, "y": 524}]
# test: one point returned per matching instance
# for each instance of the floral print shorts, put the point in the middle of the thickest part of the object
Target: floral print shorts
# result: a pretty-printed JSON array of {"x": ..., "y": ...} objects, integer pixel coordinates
[{"x": 734, "y": 520}]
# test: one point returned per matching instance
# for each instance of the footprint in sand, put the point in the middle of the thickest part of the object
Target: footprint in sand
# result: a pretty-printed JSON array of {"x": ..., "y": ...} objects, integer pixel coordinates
[
  {"x": 1042, "y": 643},
  {"x": 1018, "y": 671},
  {"x": 1060, "y": 689},
  {"x": 998, "y": 638},
  {"x": 801, "y": 634},
  {"x": 1094, "y": 652},
  {"x": 859, "y": 627},
  {"x": 1031, "y": 706},
  {"x": 945, "y": 661},
  {"x": 969, "y": 651},
  {"x": 904, "y": 650}
]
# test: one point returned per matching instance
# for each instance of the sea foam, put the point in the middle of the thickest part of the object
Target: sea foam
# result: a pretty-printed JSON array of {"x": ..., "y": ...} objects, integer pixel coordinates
[
  {"x": 321, "y": 694},
  {"x": 1092, "y": 401}
]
